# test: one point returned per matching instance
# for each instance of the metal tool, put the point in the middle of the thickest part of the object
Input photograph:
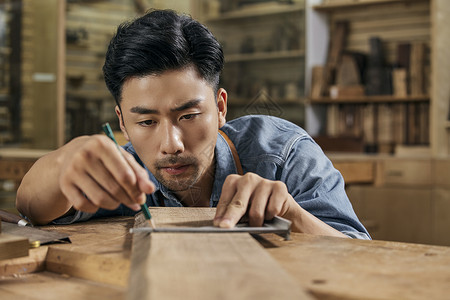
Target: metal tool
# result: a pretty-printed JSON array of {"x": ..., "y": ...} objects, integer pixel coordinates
[
  {"x": 13, "y": 218},
  {"x": 35, "y": 235},
  {"x": 277, "y": 225}
]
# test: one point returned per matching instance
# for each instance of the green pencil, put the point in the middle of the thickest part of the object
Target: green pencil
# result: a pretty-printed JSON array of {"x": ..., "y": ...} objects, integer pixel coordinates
[{"x": 107, "y": 129}]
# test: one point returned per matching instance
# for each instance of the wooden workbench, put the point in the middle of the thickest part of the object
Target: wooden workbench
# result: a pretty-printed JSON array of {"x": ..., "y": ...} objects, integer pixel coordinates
[{"x": 96, "y": 265}]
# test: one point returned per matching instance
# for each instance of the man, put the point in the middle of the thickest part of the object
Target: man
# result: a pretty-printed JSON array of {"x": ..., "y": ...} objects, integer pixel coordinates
[{"x": 163, "y": 71}]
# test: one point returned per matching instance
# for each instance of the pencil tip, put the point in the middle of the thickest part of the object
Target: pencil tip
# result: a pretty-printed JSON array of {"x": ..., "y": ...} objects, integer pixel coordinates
[{"x": 152, "y": 223}]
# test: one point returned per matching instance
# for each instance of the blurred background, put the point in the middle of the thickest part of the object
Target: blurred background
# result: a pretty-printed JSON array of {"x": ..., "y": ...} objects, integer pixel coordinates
[{"x": 368, "y": 79}]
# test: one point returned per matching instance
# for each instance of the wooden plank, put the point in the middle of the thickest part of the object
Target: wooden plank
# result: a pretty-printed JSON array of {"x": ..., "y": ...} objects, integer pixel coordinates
[
  {"x": 12, "y": 246},
  {"x": 105, "y": 236},
  {"x": 204, "y": 266},
  {"x": 98, "y": 268},
  {"x": 34, "y": 262},
  {"x": 51, "y": 286},
  {"x": 99, "y": 251},
  {"x": 334, "y": 268},
  {"x": 329, "y": 268}
]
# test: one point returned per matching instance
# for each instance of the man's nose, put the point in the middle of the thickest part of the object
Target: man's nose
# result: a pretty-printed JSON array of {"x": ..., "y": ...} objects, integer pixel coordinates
[{"x": 171, "y": 139}]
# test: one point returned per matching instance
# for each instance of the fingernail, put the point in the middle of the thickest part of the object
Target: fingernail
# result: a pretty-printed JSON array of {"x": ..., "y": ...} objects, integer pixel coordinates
[
  {"x": 135, "y": 207},
  {"x": 225, "y": 223},
  {"x": 216, "y": 221}
]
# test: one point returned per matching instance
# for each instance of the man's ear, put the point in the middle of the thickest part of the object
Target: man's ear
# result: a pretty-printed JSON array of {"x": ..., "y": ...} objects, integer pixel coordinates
[
  {"x": 222, "y": 98},
  {"x": 122, "y": 125}
]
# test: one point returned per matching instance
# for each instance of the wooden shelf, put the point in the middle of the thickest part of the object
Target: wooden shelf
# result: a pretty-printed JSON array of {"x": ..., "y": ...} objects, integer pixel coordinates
[
  {"x": 371, "y": 99},
  {"x": 257, "y": 12},
  {"x": 358, "y": 3},
  {"x": 230, "y": 58},
  {"x": 280, "y": 102},
  {"x": 88, "y": 96}
]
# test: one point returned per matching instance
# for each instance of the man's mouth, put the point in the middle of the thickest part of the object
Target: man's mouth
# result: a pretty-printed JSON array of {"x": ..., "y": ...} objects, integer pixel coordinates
[{"x": 175, "y": 169}]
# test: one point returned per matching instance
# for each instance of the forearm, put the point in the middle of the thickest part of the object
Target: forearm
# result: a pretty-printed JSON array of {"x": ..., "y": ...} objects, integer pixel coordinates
[
  {"x": 39, "y": 196},
  {"x": 304, "y": 222}
]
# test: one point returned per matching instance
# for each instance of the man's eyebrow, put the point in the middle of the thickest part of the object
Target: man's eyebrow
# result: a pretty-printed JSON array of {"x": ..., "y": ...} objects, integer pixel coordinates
[
  {"x": 187, "y": 105},
  {"x": 143, "y": 110}
]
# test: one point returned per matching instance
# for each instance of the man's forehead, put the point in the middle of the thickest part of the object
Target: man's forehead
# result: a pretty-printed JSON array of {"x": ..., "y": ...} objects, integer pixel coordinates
[{"x": 171, "y": 91}]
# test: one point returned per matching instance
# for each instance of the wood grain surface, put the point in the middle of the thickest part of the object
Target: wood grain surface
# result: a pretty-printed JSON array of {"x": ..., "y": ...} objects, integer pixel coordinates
[
  {"x": 327, "y": 268},
  {"x": 204, "y": 266},
  {"x": 334, "y": 268},
  {"x": 51, "y": 286}
]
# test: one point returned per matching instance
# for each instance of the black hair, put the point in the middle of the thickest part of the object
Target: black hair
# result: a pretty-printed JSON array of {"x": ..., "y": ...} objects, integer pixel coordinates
[{"x": 159, "y": 41}]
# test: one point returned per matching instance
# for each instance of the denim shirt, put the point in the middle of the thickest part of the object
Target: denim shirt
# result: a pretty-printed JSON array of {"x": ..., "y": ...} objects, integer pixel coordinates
[{"x": 274, "y": 149}]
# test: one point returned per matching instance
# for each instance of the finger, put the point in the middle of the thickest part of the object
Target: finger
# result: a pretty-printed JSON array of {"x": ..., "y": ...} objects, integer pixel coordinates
[
  {"x": 239, "y": 203},
  {"x": 78, "y": 200},
  {"x": 95, "y": 193},
  {"x": 105, "y": 179},
  {"x": 278, "y": 200},
  {"x": 118, "y": 166},
  {"x": 72, "y": 193},
  {"x": 228, "y": 191},
  {"x": 258, "y": 204},
  {"x": 144, "y": 184}
]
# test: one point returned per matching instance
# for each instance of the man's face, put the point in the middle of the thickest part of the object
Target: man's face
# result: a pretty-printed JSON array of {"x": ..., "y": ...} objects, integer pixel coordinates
[{"x": 172, "y": 121}]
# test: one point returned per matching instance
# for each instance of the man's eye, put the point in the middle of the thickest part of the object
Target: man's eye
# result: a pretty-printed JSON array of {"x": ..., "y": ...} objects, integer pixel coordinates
[
  {"x": 188, "y": 116},
  {"x": 146, "y": 123}
]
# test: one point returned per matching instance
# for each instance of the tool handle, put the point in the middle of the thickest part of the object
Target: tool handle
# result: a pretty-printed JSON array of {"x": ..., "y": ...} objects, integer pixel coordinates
[{"x": 12, "y": 218}]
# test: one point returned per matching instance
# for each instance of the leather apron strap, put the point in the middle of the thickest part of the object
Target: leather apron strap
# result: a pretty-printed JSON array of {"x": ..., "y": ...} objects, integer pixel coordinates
[{"x": 234, "y": 152}]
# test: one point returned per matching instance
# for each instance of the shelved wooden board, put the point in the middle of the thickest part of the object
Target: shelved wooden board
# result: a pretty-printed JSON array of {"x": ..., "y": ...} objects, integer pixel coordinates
[
  {"x": 371, "y": 99},
  {"x": 264, "y": 56},
  {"x": 249, "y": 13},
  {"x": 345, "y": 4}
]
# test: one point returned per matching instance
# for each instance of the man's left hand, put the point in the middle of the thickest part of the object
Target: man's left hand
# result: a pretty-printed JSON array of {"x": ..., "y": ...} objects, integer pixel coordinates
[{"x": 261, "y": 199}]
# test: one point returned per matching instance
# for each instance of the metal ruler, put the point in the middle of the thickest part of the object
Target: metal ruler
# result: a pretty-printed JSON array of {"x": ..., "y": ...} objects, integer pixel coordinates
[{"x": 277, "y": 225}]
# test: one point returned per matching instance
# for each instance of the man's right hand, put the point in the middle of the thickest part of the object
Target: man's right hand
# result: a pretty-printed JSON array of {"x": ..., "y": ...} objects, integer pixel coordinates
[
  {"x": 87, "y": 173},
  {"x": 99, "y": 176}
]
